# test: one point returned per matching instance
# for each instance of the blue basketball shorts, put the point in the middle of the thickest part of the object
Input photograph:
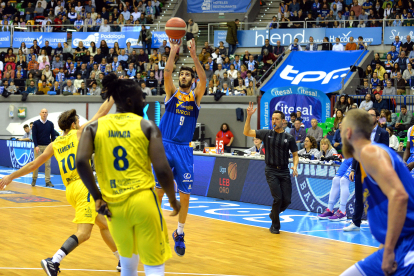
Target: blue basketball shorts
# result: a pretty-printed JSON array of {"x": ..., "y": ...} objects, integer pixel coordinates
[
  {"x": 404, "y": 256},
  {"x": 180, "y": 158},
  {"x": 344, "y": 167}
]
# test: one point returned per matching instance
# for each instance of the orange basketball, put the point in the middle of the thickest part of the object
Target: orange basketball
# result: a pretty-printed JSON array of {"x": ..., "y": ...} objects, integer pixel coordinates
[
  {"x": 232, "y": 170},
  {"x": 176, "y": 28}
]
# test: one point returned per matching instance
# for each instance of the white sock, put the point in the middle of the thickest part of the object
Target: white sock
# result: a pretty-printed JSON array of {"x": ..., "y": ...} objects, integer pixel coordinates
[
  {"x": 157, "y": 270},
  {"x": 116, "y": 254},
  {"x": 58, "y": 257},
  {"x": 180, "y": 228},
  {"x": 129, "y": 265}
]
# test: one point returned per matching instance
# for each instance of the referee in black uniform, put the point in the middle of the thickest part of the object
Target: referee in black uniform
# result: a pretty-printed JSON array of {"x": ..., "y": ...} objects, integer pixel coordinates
[{"x": 277, "y": 144}]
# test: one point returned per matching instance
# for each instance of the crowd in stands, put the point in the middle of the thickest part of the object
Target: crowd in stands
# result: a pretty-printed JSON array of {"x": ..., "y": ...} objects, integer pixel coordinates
[
  {"x": 94, "y": 15},
  {"x": 342, "y": 14}
]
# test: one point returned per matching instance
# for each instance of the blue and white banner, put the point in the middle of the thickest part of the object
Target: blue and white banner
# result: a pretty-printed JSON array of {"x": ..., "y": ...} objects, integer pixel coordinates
[
  {"x": 373, "y": 35},
  {"x": 214, "y": 6},
  {"x": 256, "y": 38},
  {"x": 391, "y": 32},
  {"x": 5, "y": 40},
  {"x": 28, "y": 37},
  {"x": 311, "y": 102},
  {"x": 121, "y": 37},
  {"x": 314, "y": 70}
]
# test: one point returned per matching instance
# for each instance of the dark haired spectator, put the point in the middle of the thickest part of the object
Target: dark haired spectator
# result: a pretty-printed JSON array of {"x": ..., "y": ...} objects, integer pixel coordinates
[
  {"x": 379, "y": 103},
  {"x": 299, "y": 133},
  {"x": 326, "y": 46},
  {"x": 293, "y": 117},
  {"x": 404, "y": 120}
]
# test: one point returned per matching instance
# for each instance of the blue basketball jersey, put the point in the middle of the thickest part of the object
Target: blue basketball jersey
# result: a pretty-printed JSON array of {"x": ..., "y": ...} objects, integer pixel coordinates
[
  {"x": 410, "y": 139},
  {"x": 378, "y": 202},
  {"x": 179, "y": 120}
]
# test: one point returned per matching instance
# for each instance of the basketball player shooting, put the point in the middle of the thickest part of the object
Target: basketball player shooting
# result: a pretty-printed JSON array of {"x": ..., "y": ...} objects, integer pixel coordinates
[{"x": 177, "y": 127}]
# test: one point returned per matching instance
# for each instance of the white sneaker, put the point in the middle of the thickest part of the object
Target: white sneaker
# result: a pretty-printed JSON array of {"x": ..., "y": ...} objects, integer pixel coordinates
[{"x": 351, "y": 227}]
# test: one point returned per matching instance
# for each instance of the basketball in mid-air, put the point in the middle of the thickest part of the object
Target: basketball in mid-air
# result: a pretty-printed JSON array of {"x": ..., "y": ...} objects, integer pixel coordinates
[{"x": 176, "y": 28}]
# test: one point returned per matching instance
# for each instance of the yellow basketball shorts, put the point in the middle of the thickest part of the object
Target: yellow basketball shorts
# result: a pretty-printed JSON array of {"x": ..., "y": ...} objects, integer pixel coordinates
[
  {"x": 78, "y": 196},
  {"x": 138, "y": 227}
]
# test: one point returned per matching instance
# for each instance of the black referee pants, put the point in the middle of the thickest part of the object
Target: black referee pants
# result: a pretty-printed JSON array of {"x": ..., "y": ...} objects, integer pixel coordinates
[
  {"x": 359, "y": 200},
  {"x": 281, "y": 189}
]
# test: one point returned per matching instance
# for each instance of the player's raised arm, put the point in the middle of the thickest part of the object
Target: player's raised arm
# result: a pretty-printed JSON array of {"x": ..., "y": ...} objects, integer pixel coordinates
[
  {"x": 28, "y": 168},
  {"x": 201, "y": 86},
  {"x": 377, "y": 164},
  {"x": 160, "y": 164},
  {"x": 103, "y": 110},
  {"x": 169, "y": 86}
]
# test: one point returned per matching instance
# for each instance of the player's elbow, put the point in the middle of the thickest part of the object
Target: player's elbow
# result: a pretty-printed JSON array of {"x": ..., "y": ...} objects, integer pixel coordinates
[
  {"x": 163, "y": 173},
  {"x": 401, "y": 196}
]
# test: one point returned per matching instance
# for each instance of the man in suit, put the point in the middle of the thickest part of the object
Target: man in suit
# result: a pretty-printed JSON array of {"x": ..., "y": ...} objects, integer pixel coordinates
[
  {"x": 378, "y": 135},
  {"x": 311, "y": 46}
]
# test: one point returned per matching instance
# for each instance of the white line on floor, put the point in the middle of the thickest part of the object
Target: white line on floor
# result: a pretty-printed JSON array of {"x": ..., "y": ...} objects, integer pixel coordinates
[
  {"x": 327, "y": 230},
  {"x": 97, "y": 270}
]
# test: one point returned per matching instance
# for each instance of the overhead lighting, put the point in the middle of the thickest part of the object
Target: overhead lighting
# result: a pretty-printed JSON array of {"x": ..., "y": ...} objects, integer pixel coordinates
[{"x": 71, "y": 30}]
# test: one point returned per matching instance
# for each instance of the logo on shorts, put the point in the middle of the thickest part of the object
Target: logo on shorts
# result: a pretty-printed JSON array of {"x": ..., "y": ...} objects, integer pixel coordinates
[
  {"x": 187, "y": 175},
  {"x": 285, "y": 141},
  {"x": 88, "y": 212},
  {"x": 21, "y": 153}
]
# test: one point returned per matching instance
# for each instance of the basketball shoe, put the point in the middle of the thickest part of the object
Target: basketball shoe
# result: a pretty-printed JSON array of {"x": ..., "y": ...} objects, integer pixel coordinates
[
  {"x": 328, "y": 213},
  {"x": 51, "y": 268},
  {"x": 179, "y": 246},
  {"x": 119, "y": 267},
  {"x": 338, "y": 216}
]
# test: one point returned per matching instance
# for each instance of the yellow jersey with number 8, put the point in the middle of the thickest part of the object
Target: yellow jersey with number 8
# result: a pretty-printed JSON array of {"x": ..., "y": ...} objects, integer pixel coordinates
[
  {"x": 122, "y": 162},
  {"x": 65, "y": 148}
]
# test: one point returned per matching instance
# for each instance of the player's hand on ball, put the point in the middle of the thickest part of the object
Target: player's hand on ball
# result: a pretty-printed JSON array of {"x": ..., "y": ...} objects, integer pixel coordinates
[
  {"x": 176, "y": 205},
  {"x": 102, "y": 208},
  {"x": 251, "y": 110},
  {"x": 4, "y": 182}
]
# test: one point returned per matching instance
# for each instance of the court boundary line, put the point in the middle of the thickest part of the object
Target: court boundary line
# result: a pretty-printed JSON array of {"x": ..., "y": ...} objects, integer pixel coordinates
[
  {"x": 100, "y": 270},
  {"x": 297, "y": 233},
  {"x": 34, "y": 206}
]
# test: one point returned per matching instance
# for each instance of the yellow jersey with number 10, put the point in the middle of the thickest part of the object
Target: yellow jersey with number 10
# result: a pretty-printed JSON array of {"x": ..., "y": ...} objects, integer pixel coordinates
[
  {"x": 122, "y": 162},
  {"x": 65, "y": 148}
]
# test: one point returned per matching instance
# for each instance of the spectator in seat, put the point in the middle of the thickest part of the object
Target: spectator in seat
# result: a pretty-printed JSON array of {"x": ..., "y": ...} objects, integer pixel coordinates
[
  {"x": 400, "y": 83},
  {"x": 38, "y": 11},
  {"x": 268, "y": 59},
  {"x": 268, "y": 47},
  {"x": 145, "y": 89},
  {"x": 43, "y": 89},
  {"x": 351, "y": 45},
  {"x": 95, "y": 90},
  {"x": 298, "y": 133},
  {"x": 251, "y": 90},
  {"x": 293, "y": 117},
  {"x": 208, "y": 48},
  {"x": 69, "y": 89},
  {"x": 404, "y": 120},
  {"x": 336, "y": 140},
  {"x": 226, "y": 90},
  {"x": 408, "y": 73},
  {"x": 48, "y": 74},
  {"x": 389, "y": 89},
  {"x": 402, "y": 61},
  {"x": 142, "y": 60},
  {"x": 394, "y": 144},
  {"x": 310, "y": 147},
  {"x": 393, "y": 53},
  {"x": 367, "y": 103},
  {"x": 377, "y": 90},
  {"x": 273, "y": 24},
  {"x": 83, "y": 90},
  {"x": 277, "y": 50},
  {"x": 379, "y": 103},
  {"x": 55, "y": 89},
  {"x": 252, "y": 66},
  {"x": 152, "y": 83},
  {"x": 217, "y": 57},
  {"x": 225, "y": 79},
  {"x": 326, "y": 46},
  {"x": 311, "y": 46},
  {"x": 315, "y": 131},
  {"x": 105, "y": 27},
  {"x": 380, "y": 71},
  {"x": 341, "y": 104},
  {"x": 220, "y": 71},
  {"x": 397, "y": 43},
  {"x": 376, "y": 60},
  {"x": 239, "y": 87},
  {"x": 203, "y": 56},
  {"x": 338, "y": 46},
  {"x": 32, "y": 88},
  {"x": 232, "y": 72},
  {"x": 295, "y": 46},
  {"x": 214, "y": 84},
  {"x": 237, "y": 62},
  {"x": 375, "y": 81},
  {"x": 209, "y": 73},
  {"x": 356, "y": 8},
  {"x": 339, "y": 116},
  {"x": 159, "y": 75},
  {"x": 408, "y": 45}
]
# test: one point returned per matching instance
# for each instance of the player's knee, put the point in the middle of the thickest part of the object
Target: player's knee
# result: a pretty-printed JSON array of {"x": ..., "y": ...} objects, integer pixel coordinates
[
  {"x": 83, "y": 236},
  {"x": 184, "y": 198}
]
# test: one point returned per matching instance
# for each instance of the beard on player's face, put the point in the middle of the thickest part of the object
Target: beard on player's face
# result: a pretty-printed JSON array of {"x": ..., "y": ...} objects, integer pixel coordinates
[
  {"x": 187, "y": 83},
  {"x": 347, "y": 149}
]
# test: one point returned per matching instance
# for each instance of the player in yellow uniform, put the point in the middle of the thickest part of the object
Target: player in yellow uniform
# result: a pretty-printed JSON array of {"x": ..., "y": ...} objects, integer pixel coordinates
[
  {"x": 125, "y": 145},
  {"x": 64, "y": 149}
]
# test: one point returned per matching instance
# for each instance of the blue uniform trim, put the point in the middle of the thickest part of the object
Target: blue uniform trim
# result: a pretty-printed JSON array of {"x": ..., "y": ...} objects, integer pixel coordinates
[
  {"x": 158, "y": 207},
  {"x": 195, "y": 100},
  {"x": 172, "y": 97},
  {"x": 175, "y": 142}
]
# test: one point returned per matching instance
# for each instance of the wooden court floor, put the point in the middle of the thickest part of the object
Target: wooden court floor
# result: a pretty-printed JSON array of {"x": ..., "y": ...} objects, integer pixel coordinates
[{"x": 33, "y": 231}]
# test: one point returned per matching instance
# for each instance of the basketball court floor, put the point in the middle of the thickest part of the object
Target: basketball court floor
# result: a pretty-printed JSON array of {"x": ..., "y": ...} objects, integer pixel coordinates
[{"x": 222, "y": 237}]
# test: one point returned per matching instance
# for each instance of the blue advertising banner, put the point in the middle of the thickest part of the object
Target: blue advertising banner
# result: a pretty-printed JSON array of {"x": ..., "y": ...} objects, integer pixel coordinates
[
  {"x": 311, "y": 102},
  {"x": 121, "y": 37},
  {"x": 373, "y": 35},
  {"x": 256, "y": 38},
  {"x": 5, "y": 40},
  {"x": 213, "y": 6},
  {"x": 391, "y": 32},
  {"x": 28, "y": 37},
  {"x": 314, "y": 70}
]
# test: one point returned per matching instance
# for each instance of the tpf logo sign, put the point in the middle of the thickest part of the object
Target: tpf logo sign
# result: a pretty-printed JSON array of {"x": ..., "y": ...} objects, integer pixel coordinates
[{"x": 311, "y": 76}]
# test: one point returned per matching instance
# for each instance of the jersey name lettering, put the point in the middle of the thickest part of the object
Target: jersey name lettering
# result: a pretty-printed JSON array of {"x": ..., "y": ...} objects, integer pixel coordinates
[
  {"x": 118, "y": 134},
  {"x": 66, "y": 148}
]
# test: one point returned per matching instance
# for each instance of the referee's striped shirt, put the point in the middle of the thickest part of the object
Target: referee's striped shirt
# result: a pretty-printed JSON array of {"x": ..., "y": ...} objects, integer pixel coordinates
[{"x": 277, "y": 146}]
